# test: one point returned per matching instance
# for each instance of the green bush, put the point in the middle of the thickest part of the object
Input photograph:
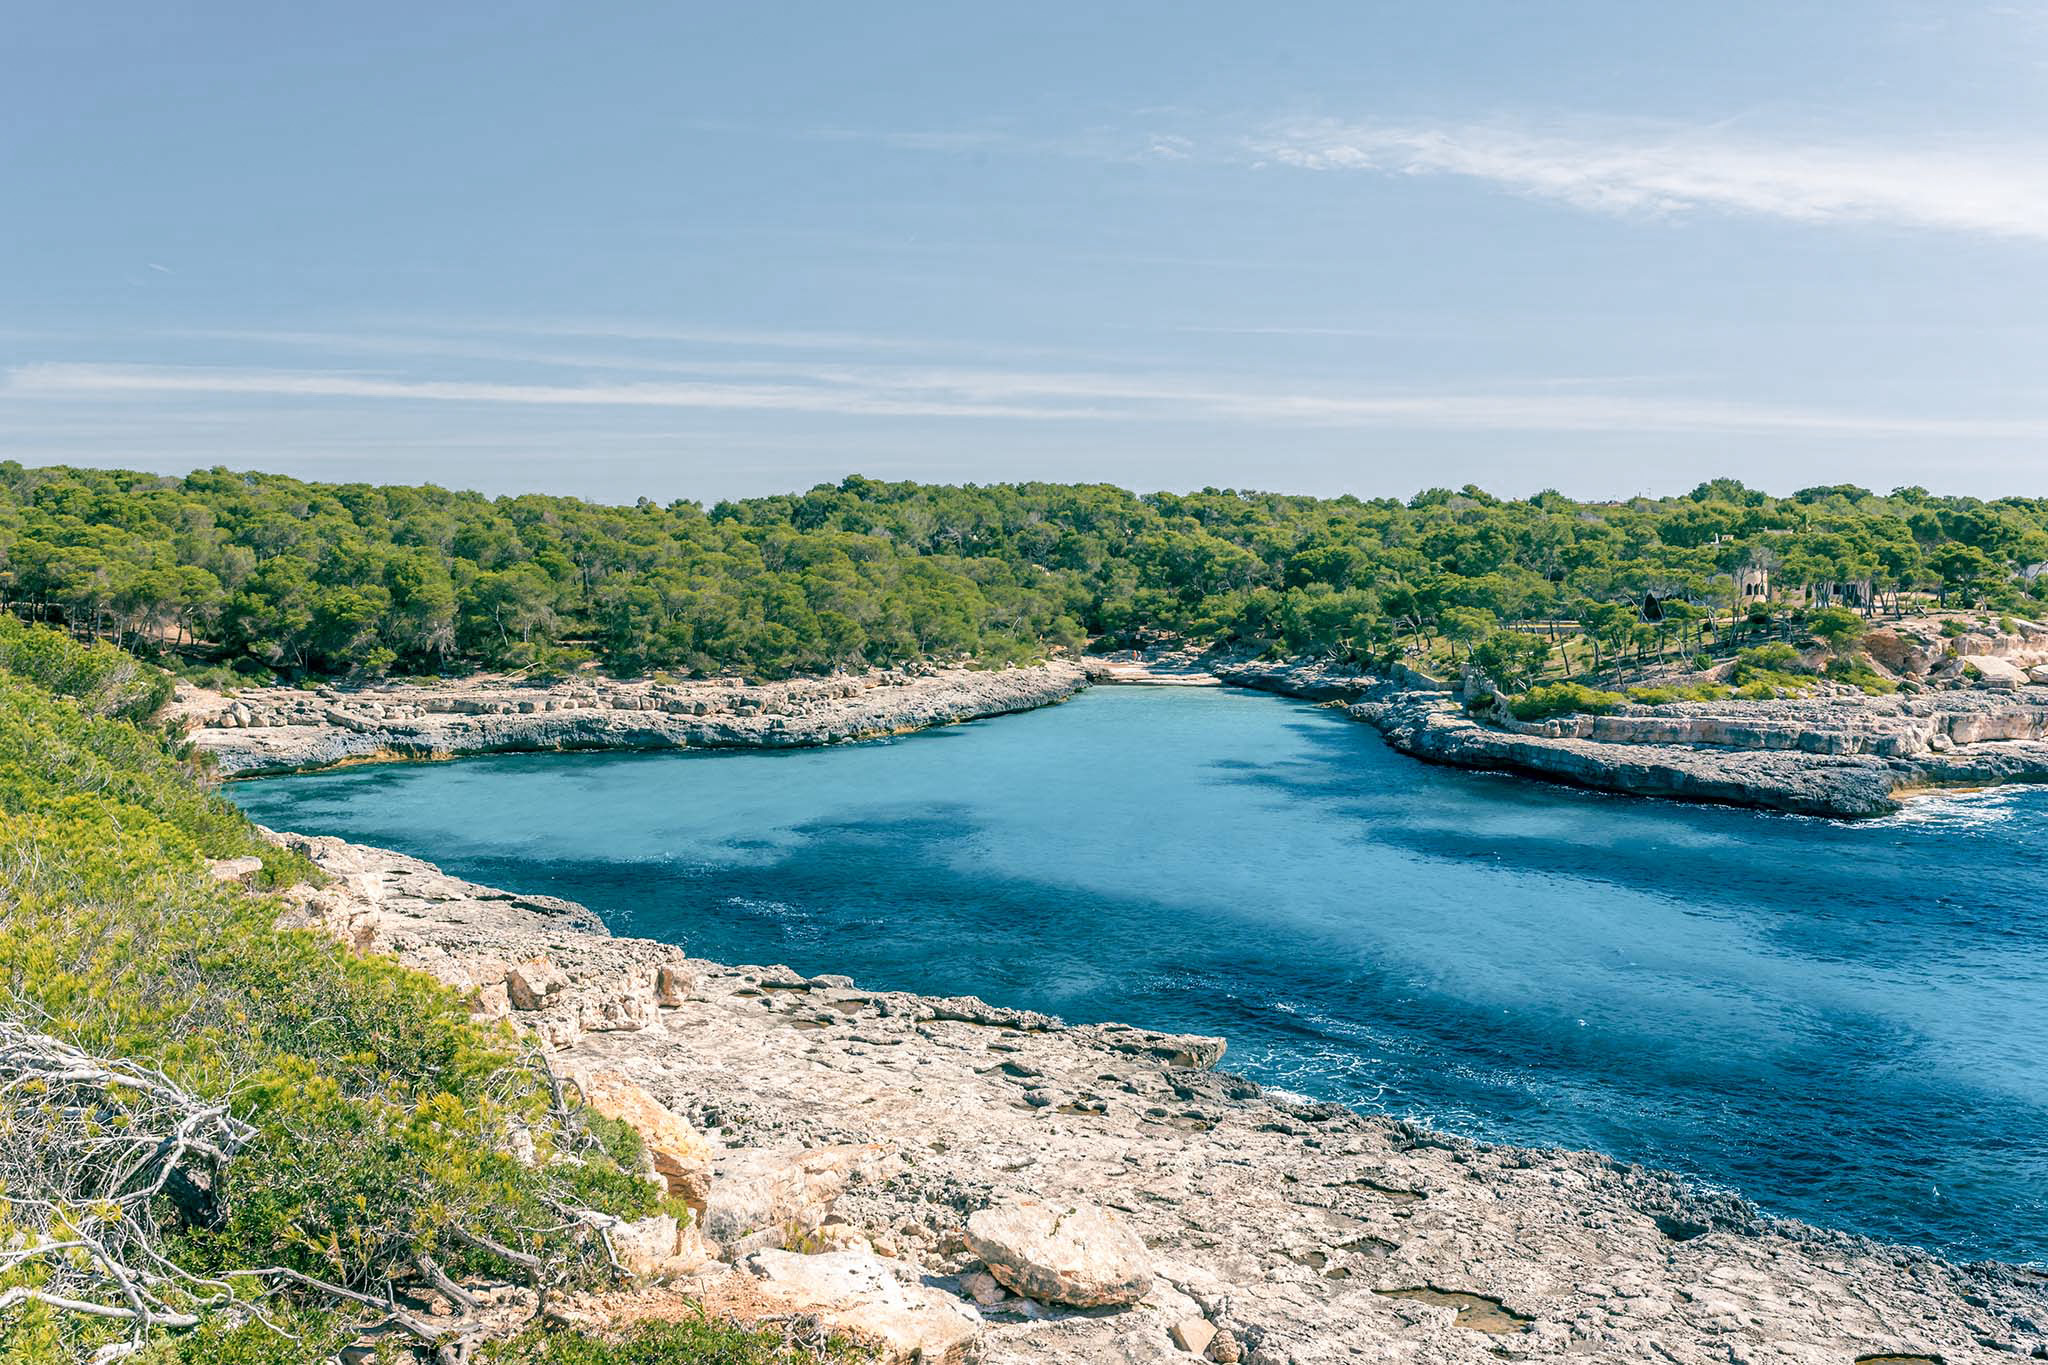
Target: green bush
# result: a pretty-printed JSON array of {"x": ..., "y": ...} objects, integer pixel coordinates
[
  {"x": 1858, "y": 673},
  {"x": 1555, "y": 699},
  {"x": 384, "y": 1116},
  {"x": 1769, "y": 671},
  {"x": 101, "y": 679},
  {"x": 1774, "y": 656},
  {"x": 1660, "y": 696}
]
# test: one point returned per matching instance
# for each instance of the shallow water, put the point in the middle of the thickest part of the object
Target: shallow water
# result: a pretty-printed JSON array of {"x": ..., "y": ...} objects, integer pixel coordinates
[{"x": 1848, "y": 1023}]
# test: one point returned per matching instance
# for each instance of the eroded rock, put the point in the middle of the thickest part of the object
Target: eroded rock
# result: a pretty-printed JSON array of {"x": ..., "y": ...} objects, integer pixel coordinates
[
  {"x": 682, "y": 1156},
  {"x": 881, "y": 1301},
  {"x": 1076, "y": 1254},
  {"x": 1272, "y": 1220}
]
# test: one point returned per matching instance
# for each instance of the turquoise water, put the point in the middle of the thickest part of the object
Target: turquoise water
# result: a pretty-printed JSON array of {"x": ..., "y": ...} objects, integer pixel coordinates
[{"x": 1848, "y": 1023}]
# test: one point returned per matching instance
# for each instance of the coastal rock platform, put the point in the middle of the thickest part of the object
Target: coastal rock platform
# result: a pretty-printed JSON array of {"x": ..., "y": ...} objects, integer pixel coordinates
[
  {"x": 865, "y": 1129},
  {"x": 1846, "y": 756},
  {"x": 284, "y": 729}
]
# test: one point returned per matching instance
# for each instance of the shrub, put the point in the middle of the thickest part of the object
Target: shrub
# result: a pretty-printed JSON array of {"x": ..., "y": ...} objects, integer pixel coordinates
[
  {"x": 1858, "y": 673},
  {"x": 1555, "y": 699},
  {"x": 1777, "y": 655},
  {"x": 1839, "y": 627},
  {"x": 1771, "y": 670},
  {"x": 1660, "y": 696},
  {"x": 101, "y": 679},
  {"x": 380, "y": 1118}
]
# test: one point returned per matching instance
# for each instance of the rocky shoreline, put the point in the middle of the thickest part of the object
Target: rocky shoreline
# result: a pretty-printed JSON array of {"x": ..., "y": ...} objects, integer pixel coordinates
[
  {"x": 1846, "y": 757},
  {"x": 1976, "y": 719},
  {"x": 280, "y": 730},
  {"x": 959, "y": 1181}
]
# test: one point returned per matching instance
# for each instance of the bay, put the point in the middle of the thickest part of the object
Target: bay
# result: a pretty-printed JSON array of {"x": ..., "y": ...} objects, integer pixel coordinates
[{"x": 1846, "y": 1022}]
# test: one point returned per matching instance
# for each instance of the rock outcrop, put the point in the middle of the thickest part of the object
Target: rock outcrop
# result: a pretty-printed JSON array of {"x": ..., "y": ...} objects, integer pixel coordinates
[
  {"x": 855, "y": 1141},
  {"x": 279, "y": 729},
  {"x": 1844, "y": 755}
]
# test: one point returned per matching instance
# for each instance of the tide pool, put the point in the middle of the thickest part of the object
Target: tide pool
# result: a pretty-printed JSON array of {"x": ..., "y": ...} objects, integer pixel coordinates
[{"x": 1847, "y": 1023}]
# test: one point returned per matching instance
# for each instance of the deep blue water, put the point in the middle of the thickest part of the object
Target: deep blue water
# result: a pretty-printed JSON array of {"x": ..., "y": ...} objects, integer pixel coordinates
[{"x": 1848, "y": 1023}]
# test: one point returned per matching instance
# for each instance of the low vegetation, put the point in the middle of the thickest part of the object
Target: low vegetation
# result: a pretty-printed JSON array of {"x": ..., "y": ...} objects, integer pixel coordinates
[
  {"x": 1772, "y": 670},
  {"x": 221, "y": 1141},
  {"x": 1557, "y": 699},
  {"x": 697, "y": 1341},
  {"x": 1666, "y": 694}
]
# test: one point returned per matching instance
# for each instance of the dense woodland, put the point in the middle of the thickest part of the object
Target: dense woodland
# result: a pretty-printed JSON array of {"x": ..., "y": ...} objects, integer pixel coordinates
[{"x": 274, "y": 575}]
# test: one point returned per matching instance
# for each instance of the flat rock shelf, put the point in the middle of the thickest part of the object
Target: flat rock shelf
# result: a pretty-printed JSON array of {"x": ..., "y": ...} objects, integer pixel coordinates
[
  {"x": 280, "y": 729},
  {"x": 1276, "y": 1231}
]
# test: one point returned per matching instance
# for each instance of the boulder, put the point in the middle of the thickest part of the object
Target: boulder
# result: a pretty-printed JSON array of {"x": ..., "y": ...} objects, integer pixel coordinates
[
  {"x": 673, "y": 984},
  {"x": 623, "y": 1004},
  {"x": 1901, "y": 652},
  {"x": 1080, "y": 1255},
  {"x": 658, "y": 1247},
  {"x": 1192, "y": 1334},
  {"x": 782, "y": 1193},
  {"x": 982, "y": 1288},
  {"x": 682, "y": 1155},
  {"x": 532, "y": 984},
  {"x": 1994, "y": 671},
  {"x": 862, "y": 1294}
]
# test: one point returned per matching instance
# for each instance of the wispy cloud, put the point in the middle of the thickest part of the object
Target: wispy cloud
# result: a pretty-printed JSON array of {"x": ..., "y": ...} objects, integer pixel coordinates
[
  {"x": 106, "y": 381},
  {"x": 937, "y": 392},
  {"x": 1999, "y": 191}
]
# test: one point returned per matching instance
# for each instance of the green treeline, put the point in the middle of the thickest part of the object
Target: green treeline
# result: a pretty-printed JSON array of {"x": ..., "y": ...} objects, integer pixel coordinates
[{"x": 307, "y": 578}]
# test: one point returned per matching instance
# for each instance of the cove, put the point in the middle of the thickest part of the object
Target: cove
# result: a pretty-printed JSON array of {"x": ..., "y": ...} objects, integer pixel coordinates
[{"x": 1847, "y": 1023}]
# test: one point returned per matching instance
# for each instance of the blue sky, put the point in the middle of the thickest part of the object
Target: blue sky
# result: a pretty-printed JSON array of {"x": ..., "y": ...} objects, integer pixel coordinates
[{"x": 701, "y": 251}]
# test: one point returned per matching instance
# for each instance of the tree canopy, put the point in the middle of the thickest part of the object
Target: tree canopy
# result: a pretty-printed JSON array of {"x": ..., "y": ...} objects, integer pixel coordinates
[{"x": 312, "y": 578}]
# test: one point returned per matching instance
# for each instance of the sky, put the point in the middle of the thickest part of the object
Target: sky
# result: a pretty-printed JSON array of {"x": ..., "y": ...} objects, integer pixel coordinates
[{"x": 702, "y": 251}]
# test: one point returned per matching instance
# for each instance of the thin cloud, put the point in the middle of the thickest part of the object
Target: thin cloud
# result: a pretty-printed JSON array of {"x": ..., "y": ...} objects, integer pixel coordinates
[
  {"x": 75, "y": 380},
  {"x": 1055, "y": 397},
  {"x": 1989, "y": 191}
]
